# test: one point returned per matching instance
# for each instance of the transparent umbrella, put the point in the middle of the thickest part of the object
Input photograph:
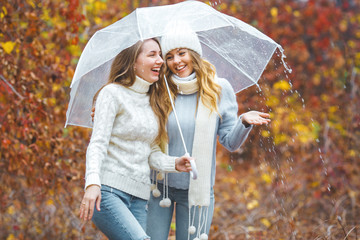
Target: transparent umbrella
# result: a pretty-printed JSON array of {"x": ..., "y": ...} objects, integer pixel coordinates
[{"x": 239, "y": 51}]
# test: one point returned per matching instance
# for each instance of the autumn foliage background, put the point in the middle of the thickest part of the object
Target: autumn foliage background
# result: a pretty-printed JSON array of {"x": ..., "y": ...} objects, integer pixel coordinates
[{"x": 297, "y": 178}]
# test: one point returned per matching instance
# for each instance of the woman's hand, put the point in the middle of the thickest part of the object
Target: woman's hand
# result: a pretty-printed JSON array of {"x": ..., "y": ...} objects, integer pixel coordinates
[
  {"x": 255, "y": 118},
  {"x": 92, "y": 195},
  {"x": 182, "y": 164}
]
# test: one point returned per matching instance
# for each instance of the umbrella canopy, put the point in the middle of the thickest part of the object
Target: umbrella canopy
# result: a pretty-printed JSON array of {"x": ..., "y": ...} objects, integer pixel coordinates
[{"x": 239, "y": 51}]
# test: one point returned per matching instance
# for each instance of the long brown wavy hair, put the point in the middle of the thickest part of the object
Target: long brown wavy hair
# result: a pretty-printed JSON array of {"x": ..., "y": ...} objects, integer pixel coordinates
[
  {"x": 122, "y": 72},
  {"x": 209, "y": 90}
]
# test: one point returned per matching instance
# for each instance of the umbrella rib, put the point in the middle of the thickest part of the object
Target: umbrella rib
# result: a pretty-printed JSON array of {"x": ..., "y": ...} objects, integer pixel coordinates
[
  {"x": 138, "y": 25},
  {"x": 225, "y": 18}
]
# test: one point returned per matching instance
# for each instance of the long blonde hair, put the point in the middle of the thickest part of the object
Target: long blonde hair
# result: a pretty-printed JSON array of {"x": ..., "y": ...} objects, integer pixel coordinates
[
  {"x": 122, "y": 72},
  {"x": 209, "y": 90}
]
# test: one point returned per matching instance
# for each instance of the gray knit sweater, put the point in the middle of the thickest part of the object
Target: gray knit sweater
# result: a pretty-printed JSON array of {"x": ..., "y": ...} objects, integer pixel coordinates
[{"x": 230, "y": 130}]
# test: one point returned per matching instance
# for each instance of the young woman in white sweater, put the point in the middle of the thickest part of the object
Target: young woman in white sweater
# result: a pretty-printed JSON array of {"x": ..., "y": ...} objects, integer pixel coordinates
[
  {"x": 128, "y": 125},
  {"x": 206, "y": 108}
]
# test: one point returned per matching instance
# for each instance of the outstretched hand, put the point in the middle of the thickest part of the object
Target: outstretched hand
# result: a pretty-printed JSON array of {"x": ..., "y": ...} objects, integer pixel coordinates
[
  {"x": 182, "y": 164},
  {"x": 256, "y": 118},
  {"x": 91, "y": 197}
]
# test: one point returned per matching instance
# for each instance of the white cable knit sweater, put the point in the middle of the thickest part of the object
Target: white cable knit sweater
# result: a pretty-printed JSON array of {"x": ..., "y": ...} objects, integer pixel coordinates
[{"x": 125, "y": 128}]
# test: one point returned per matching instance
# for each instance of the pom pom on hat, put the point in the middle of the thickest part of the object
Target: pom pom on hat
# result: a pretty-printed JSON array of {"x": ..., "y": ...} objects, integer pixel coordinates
[{"x": 178, "y": 34}]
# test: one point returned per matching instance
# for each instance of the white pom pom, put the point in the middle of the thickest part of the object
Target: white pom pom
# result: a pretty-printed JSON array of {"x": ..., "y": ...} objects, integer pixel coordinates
[
  {"x": 156, "y": 192},
  {"x": 204, "y": 236},
  {"x": 152, "y": 186},
  {"x": 160, "y": 176},
  {"x": 161, "y": 203},
  {"x": 167, "y": 202},
  {"x": 192, "y": 229},
  {"x": 196, "y": 238}
]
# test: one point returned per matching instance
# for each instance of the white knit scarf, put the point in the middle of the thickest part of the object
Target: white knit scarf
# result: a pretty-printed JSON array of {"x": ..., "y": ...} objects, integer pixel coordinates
[{"x": 202, "y": 151}]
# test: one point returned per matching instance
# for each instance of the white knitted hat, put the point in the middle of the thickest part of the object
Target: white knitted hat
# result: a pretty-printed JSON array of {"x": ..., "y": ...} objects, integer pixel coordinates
[{"x": 178, "y": 34}]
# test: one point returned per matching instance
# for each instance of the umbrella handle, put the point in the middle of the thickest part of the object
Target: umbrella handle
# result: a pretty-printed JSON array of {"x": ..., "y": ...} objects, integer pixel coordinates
[{"x": 193, "y": 172}]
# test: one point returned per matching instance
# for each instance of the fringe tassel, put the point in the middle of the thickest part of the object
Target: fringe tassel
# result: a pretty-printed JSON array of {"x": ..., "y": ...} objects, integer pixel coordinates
[
  {"x": 155, "y": 192},
  {"x": 201, "y": 231},
  {"x": 165, "y": 202}
]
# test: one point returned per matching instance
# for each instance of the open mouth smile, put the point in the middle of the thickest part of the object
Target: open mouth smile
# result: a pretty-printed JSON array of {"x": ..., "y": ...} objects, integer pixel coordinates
[
  {"x": 180, "y": 68},
  {"x": 156, "y": 70}
]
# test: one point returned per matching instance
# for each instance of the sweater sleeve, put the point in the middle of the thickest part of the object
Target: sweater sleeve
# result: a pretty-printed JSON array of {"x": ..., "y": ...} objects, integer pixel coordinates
[
  {"x": 160, "y": 161},
  {"x": 105, "y": 113},
  {"x": 232, "y": 132}
]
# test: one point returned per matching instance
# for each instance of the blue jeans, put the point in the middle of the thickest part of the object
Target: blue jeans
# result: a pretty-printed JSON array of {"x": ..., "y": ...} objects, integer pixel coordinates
[
  {"x": 121, "y": 216},
  {"x": 159, "y": 218}
]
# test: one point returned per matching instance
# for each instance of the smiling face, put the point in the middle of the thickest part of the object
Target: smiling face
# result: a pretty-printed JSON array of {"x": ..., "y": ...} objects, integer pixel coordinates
[
  {"x": 148, "y": 63},
  {"x": 180, "y": 62}
]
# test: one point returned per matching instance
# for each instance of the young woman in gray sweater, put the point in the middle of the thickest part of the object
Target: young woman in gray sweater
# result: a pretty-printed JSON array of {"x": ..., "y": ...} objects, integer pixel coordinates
[{"x": 206, "y": 109}]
